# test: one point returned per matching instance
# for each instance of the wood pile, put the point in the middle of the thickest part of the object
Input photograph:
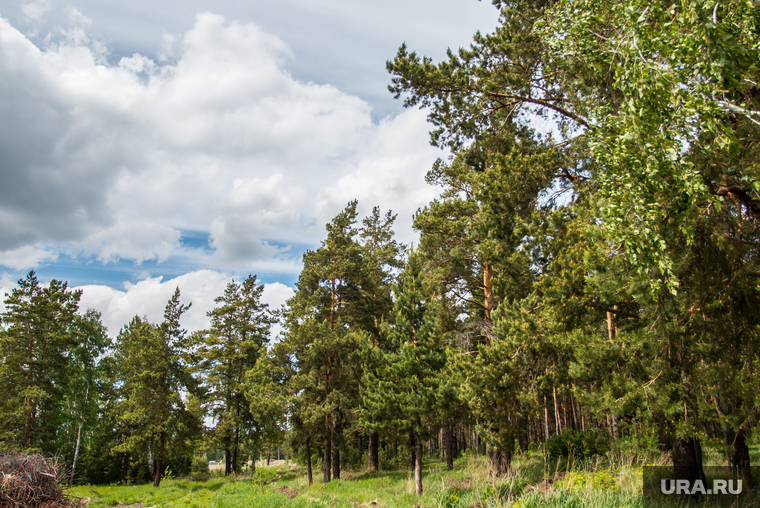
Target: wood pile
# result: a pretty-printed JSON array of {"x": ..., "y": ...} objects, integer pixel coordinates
[{"x": 31, "y": 481}]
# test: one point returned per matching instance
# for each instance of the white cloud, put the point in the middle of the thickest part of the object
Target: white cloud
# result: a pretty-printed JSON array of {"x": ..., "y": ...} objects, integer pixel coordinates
[
  {"x": 7, "y": 285},
  {"x": 137, "y": 240},
  {"x": 35, "y": 10},
  {"x": 137, "y": 64},
  {"x": 148, "y": 298},
  {"x": 276, "y": 294},
  {"x": 27, "y": 256},
  {"x": 116, "y": 159}
]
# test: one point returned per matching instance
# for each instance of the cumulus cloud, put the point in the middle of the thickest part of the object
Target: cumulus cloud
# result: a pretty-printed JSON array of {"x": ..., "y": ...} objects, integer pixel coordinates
[
  {"x": 148, "y": 298},
  {"x": 137, "y": 240},
  {"x": 115, "y": 160},
  {"x": 276, "y": 294},
  {"x": 7, "y": 284},
  {"x": 27, "y": 256}
]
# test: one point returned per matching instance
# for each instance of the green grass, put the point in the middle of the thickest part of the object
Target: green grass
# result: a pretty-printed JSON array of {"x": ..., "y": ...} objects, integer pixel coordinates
[
  {"x": 171, "y": 493},
  {"x": 613, "y": 480},
  {"x": 600, "y": 483}
]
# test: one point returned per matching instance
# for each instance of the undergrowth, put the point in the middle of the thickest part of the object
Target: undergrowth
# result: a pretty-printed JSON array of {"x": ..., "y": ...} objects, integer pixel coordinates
[{"x": 537, "y": 478}]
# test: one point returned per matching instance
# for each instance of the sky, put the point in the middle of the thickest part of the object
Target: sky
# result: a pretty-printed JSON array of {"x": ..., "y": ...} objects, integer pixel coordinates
[{"x": 148, "y": 145}]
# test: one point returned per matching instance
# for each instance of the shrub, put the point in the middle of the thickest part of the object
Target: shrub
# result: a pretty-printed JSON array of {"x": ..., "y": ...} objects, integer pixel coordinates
[
  {"x": 578, "y": 444},
  {"x": 199, "y": 465}
]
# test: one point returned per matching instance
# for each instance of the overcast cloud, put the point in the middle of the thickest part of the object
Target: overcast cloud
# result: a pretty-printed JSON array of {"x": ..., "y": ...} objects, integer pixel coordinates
[{"x": 109, "y": 154}]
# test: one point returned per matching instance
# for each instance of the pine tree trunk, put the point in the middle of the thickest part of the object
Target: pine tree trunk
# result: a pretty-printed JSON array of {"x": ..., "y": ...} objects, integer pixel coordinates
[
  {"x": 726, "y": 445},
  {"x": 531, "y": 431},
  {"x": 610, "y": 329},
  {"x": 125, "y": 472},
  {"x": 236, "y": 446},
  {"x": 336, "y": 457},
  {"x": 687, "y": 460},
  {"x": 373, "y": 463},
  {"x": 726, "y": 434},
  {"x": 563, "y": 403},
  {"x": 157, "y": 476},
  {"x": 235, "y": 451},
  {"x": 448, "y": 443},
  {"x": 488, "y": 294},
  {"x": 413, "y": 450},
  {"x": 494, "y": 459},
  {"x": 418, "y": 464},
  {"x": 327, "y": 454},
  {"x": 522, "y": 436},
  {"x": 740, "y": 459},
  {"x": 575, "y": 417},
  {"x": 546, "y": 419},
  {"x": 308, "y": 461},
  {"x": 359, "y": 450},
  {"x": 227, "y": 461},
  {"x": 160, "y": 460}
]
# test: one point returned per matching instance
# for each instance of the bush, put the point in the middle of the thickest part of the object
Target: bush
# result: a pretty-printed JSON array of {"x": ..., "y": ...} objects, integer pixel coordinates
[
  {"x": 642, "y": 446},
  {"x": 578, "y": 444},
  {"x": 199, "y": 465},
  {"x": 603, "y": 480}
]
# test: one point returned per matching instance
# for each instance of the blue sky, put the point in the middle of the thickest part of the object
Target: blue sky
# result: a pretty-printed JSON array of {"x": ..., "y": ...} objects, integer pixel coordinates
[{"x": 147, "y": 145}]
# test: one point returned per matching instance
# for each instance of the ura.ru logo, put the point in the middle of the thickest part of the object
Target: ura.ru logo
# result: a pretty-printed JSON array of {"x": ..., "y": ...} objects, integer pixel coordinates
[{"x": 671, "y": 486}]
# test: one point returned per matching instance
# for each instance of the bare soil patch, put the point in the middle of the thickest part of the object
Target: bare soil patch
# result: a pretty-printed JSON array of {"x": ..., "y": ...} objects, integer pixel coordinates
[{"x": 291, "y": 493}]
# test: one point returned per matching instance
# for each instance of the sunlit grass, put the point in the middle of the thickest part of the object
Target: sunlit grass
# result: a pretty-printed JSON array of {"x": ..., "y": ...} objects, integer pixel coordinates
[
  {"x": 170, "y": 493},
  {"x": 533, "y": 481}
]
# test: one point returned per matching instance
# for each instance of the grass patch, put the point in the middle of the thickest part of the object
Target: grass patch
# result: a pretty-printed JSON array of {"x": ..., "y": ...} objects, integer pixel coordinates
[
  {"x": 171, "y": 493},
  {"x": 533, "y": 481}
]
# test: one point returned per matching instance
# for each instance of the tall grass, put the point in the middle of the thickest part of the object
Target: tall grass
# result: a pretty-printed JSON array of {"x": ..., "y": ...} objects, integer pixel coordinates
[{"x": 536, "y": 479}]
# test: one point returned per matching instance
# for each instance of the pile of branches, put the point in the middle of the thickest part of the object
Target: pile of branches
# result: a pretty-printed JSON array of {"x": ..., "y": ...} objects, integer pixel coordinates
[{"x": 31, "y": 481}]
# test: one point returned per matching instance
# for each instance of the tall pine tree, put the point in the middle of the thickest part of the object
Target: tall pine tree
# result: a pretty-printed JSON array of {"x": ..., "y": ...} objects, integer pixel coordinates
[
  {"x": 38, "y": 336},
  {"x": 237, "y": 338}
]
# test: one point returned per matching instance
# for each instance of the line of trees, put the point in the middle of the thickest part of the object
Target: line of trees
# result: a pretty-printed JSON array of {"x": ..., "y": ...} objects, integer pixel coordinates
[
  {"x": 598, "y": 278},
  {"x": 136, "y": 407}
]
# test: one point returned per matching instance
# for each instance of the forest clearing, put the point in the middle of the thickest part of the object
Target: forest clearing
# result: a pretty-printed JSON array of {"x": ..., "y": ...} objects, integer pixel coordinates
[
  {"x": 533, "y": 484},
  {"x": 536, "y": 480}
]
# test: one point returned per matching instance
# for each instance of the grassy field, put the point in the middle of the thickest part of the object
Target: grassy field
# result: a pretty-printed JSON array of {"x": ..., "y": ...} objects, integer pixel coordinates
[
  {"x": 611, "y": 481},
  {"x": 534, "y": 482}
]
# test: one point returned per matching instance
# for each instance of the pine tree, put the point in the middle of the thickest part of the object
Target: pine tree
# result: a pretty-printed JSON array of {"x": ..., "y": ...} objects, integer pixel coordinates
[
  {"x": 153, "y": 372},
  {"x": 38, "y": 336},
  {"x": 227, "y": 351},
  {"x": 402, "y": 394},
  {"x": 382, "y": 257},
  {"x": 322, "y": 354}
]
